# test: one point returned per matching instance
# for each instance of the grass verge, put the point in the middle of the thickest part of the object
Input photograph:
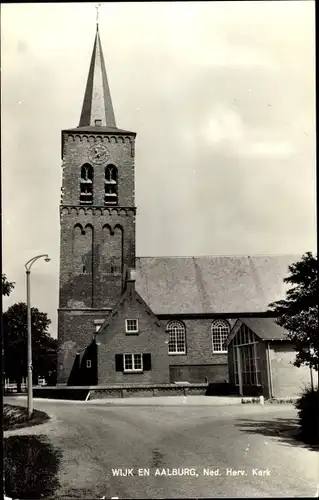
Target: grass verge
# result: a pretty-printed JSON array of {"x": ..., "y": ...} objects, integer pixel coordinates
[{"x": 16, "y": 417}]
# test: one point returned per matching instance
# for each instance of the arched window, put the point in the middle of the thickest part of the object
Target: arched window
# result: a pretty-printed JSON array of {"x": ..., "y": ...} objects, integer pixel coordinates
[
  {"x": 86, "y": 185},
  {"x": 111, "y": 185},
  {"x": 220, "y": 331},
  {"x": 177, "y": 337}
]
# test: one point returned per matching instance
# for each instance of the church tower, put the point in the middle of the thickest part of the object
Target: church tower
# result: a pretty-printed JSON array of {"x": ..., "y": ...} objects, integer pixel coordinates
[{"x": 97, "y": 216}]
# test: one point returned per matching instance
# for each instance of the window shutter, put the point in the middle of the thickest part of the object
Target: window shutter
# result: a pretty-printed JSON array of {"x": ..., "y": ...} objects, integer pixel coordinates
[
  {"x": 146, "y": 362},
  {"x": 119, "y": 365}
]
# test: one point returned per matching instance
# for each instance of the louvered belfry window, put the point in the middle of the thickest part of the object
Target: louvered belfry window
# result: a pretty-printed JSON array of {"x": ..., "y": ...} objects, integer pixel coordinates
[
  {"x": 86, "y": 185},
  {"x": 111, "y": 185}
]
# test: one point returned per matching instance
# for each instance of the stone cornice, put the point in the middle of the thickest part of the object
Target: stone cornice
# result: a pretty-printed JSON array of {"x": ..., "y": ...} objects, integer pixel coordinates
[
  {"x": 87, "y": 309},
  {"x": 96, "y": 210},
  {"x": 100, "y": 137},
  {"x": 95, "y": 131},
  {"x": 91, "y": 137}
]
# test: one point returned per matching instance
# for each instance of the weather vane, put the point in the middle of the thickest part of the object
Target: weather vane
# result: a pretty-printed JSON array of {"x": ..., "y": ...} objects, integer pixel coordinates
[{"x": 97, "y": 7}]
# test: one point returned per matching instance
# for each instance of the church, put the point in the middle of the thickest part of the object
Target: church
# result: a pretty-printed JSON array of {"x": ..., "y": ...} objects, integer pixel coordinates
[{"x": 148, "y": 320}]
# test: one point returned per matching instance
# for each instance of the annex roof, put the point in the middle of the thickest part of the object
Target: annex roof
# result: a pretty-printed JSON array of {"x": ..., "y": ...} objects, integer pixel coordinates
[{"x": 264, "y": 328}]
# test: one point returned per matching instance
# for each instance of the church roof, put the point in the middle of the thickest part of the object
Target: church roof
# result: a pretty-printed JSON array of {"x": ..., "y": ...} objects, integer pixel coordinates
[
  {"x": 212, "y": 284},
  {"x": 97, "y": 104}
]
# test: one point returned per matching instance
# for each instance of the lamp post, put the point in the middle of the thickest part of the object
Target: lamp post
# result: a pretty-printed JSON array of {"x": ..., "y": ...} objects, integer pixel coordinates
[{"x": 28, "y": 266}]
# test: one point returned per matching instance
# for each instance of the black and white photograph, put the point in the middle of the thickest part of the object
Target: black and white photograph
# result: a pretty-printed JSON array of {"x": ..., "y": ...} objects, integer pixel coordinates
[{"x": 159, "y": 259}]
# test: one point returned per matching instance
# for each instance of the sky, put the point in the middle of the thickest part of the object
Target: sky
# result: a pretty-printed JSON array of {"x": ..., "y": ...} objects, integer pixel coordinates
[{"x": 222, "y": 98}]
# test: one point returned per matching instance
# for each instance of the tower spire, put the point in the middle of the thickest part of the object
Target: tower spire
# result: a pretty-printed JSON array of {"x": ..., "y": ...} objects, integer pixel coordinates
[{"x": 97, "y": 106}]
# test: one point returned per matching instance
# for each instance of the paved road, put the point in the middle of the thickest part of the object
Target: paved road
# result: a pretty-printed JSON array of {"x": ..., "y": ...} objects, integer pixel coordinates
[{"x": 235, "y": 441}]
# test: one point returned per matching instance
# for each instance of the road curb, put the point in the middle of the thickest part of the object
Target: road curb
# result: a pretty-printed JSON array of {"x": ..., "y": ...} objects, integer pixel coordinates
[{"x": 263, "y": 401}]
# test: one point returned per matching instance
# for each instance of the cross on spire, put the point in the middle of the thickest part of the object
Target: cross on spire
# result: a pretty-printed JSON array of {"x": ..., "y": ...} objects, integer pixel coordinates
[{"x": 97, "y": 8}]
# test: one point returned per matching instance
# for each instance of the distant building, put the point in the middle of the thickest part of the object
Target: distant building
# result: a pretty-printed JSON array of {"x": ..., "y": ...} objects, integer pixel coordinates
[{"x": 133, "y": 319}]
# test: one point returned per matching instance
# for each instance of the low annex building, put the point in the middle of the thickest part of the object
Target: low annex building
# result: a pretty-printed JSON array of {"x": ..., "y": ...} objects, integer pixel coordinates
[
  {"x": 129, "y": 319},
  {"x": 261, "y": 360}
]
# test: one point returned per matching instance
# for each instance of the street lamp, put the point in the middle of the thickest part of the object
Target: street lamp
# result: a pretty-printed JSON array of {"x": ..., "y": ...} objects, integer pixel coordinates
[{"x": 28, "y": 266}]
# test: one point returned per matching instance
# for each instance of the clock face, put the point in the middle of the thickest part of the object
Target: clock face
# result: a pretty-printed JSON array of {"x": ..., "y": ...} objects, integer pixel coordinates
[{"x": 98, "y": 153}]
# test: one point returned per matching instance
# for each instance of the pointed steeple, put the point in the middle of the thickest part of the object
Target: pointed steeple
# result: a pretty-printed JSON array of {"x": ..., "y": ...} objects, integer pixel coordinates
[{"x": 97, "y": 106}]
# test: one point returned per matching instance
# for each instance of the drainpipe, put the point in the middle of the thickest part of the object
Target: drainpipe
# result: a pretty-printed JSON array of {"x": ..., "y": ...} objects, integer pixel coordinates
[{"x": 271, "y": 388}]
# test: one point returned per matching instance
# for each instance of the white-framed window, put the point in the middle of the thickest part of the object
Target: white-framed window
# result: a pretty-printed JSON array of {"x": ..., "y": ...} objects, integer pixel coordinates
[
  {"x": 133, "y": 362},
  {"x": 88, "y": 363},
  {"x": 177, "y": 337},
  {"x": 131, "y": 325},
  {"x": 220, "y": 330}
]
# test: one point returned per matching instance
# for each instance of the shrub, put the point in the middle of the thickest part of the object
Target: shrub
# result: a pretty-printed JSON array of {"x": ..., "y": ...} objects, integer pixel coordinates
[
  {"x": 31, "y": 467},
  {"x": 308, "y": 411}
]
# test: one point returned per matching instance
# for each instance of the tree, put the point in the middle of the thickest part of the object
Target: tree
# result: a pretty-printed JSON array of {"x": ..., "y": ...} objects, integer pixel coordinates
[
  {"x": 298, "y": 313},
  {"x": 44, "y": 347},
  {"x": 7, "y": 286}
]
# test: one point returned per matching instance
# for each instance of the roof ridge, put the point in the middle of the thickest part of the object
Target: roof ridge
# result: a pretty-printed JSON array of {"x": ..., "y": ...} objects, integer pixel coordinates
[{"x": 247, "y": 256}]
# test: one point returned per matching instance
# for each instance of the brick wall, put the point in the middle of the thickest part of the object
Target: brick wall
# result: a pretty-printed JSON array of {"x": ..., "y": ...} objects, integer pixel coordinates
[
  {"x": 90, "y": 276},
  {"x": 96, "y": 244},
  {"x": 198, "y": 373},
  {"x": 151, "y": 339},
  {"x": 199, "y": 352},
  {"x": 102, "y": 287},
  {"x": 75, "y": 153},
  {"x": 96, "y": 241},
  {"x": 76, "y": 330},
  {"x": 192, "y": 367}
]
